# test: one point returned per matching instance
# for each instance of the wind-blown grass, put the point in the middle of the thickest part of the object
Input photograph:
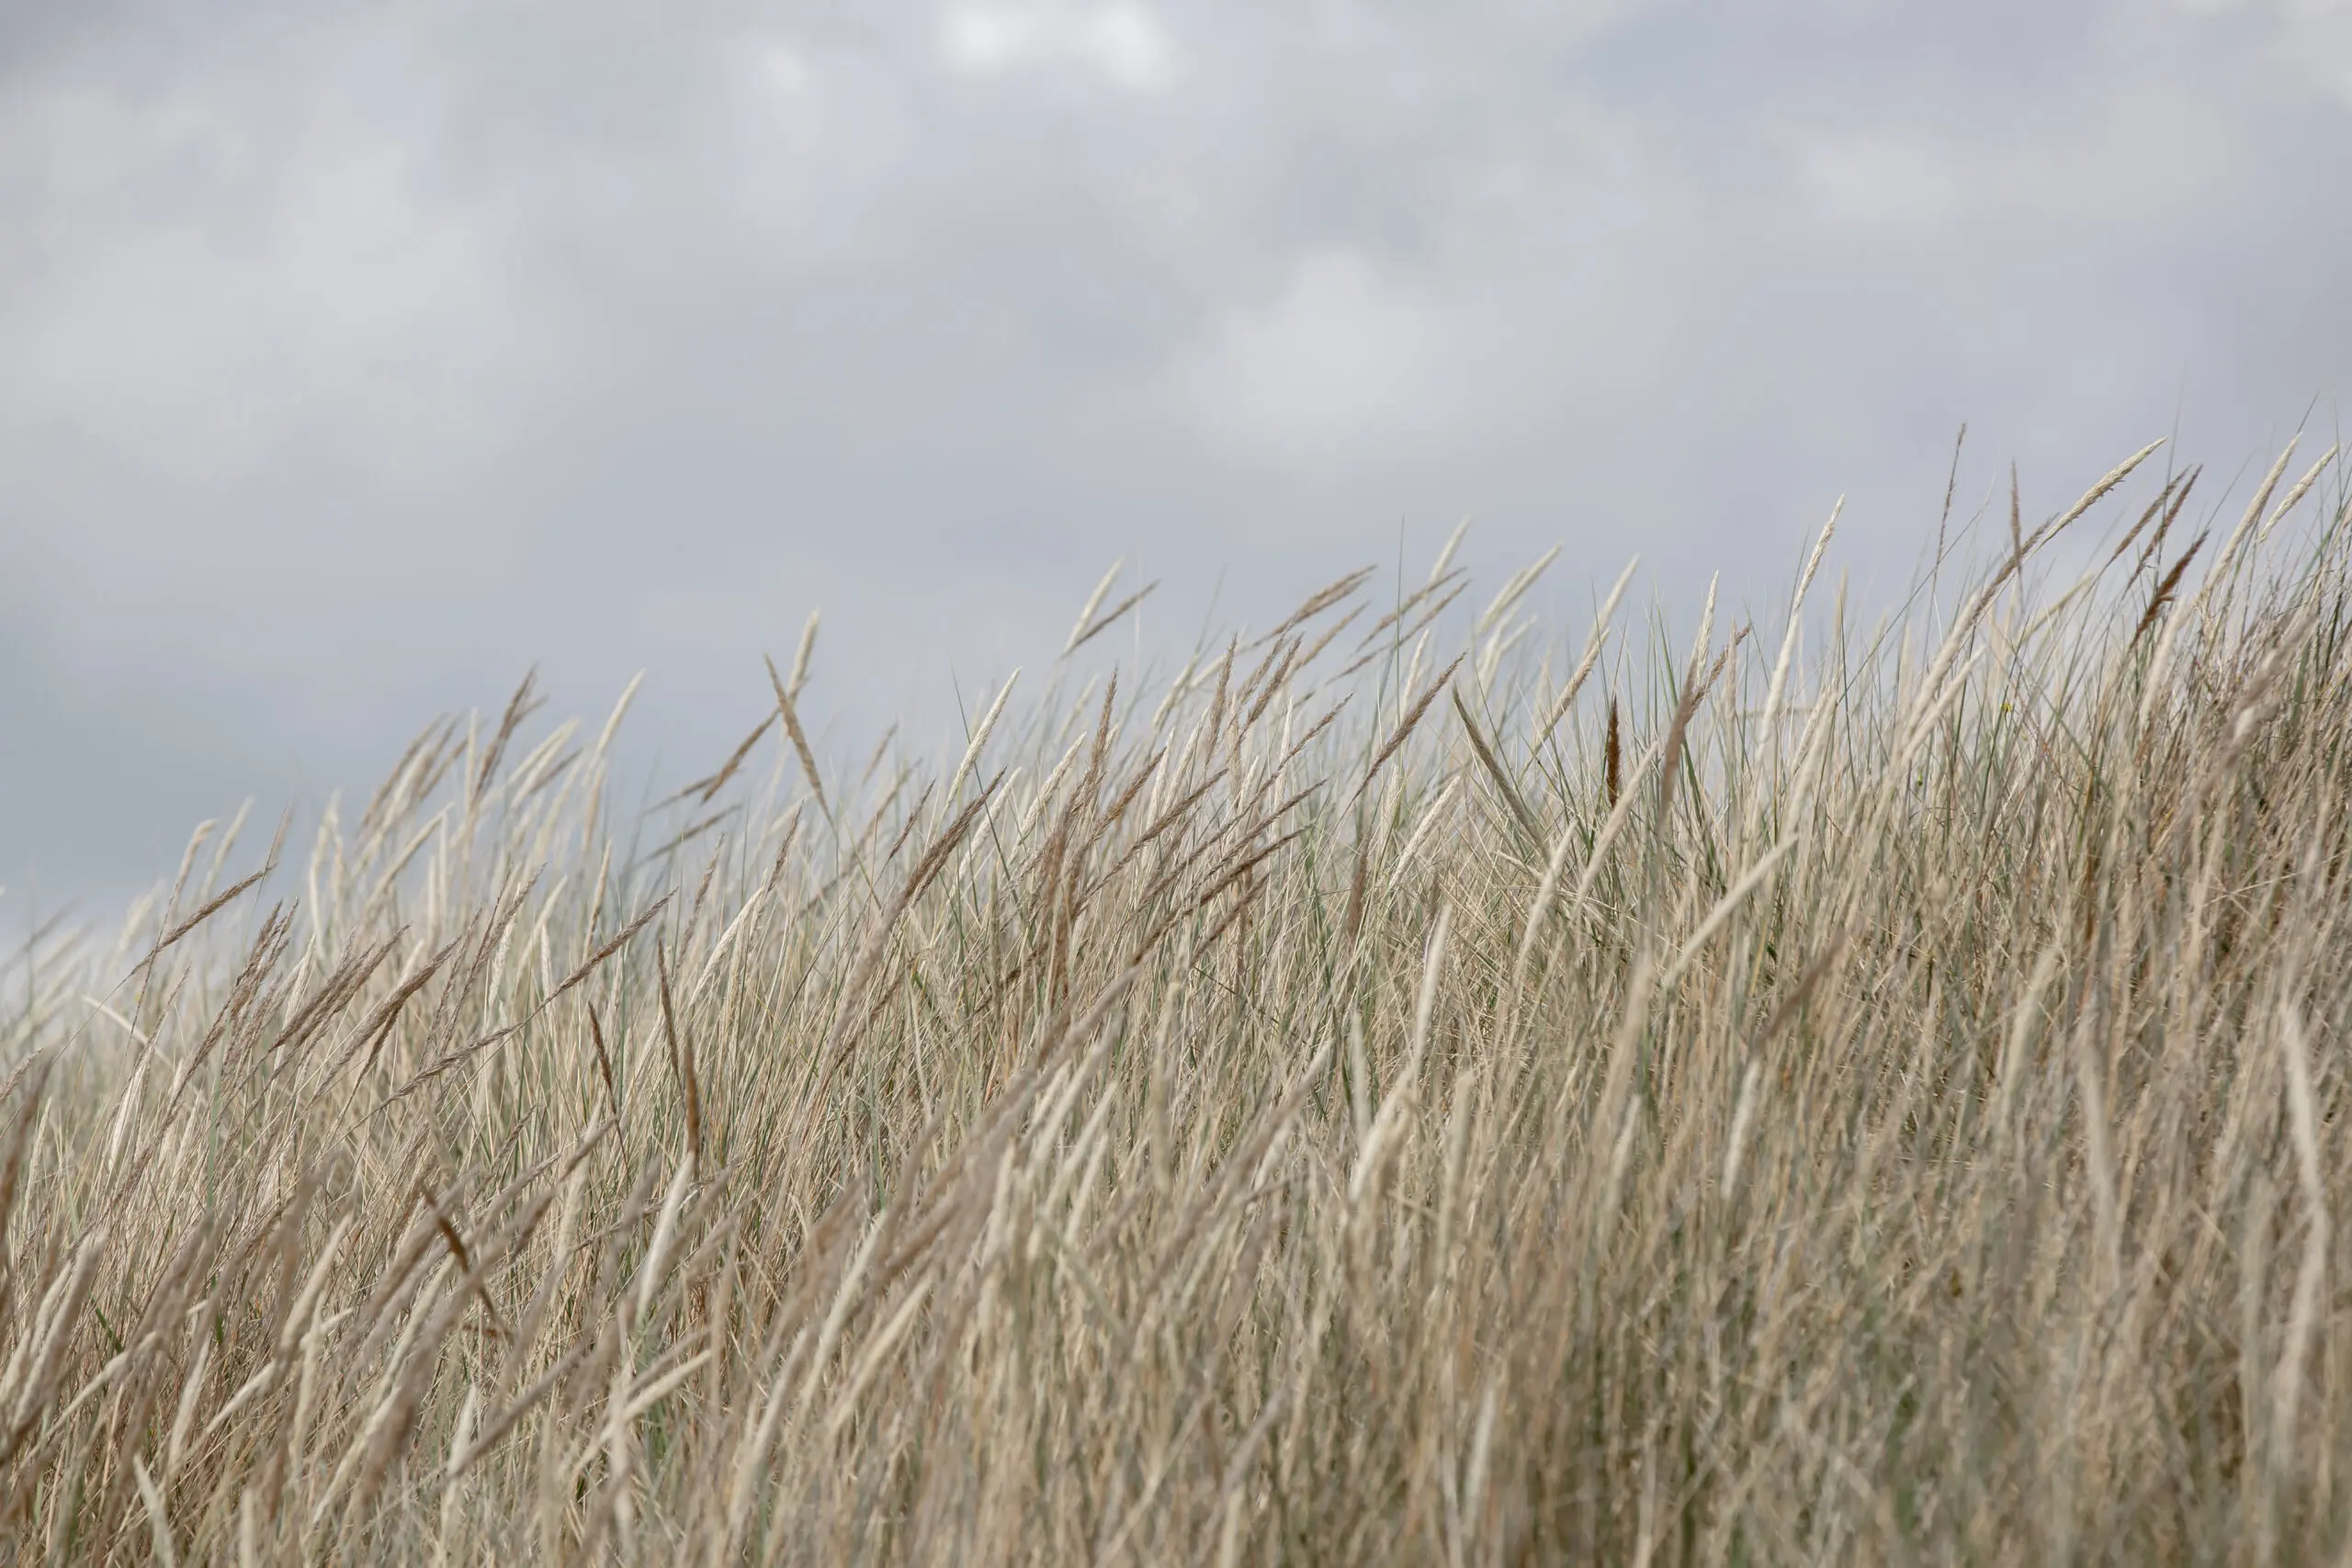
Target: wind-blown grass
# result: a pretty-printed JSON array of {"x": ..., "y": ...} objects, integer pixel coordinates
[{"x": 1815, "y": 1097}]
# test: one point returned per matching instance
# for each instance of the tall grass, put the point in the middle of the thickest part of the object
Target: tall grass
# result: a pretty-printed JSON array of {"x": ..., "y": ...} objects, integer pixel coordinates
[{"x": 1411, "y": 1087}]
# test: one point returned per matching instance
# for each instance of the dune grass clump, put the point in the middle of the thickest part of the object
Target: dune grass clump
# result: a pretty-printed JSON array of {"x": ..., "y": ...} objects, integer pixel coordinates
[{"x": 1411, "y": 1087}]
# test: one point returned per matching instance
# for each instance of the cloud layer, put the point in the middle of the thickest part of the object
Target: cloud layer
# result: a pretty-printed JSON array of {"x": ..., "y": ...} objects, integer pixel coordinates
[{"x": 352, "y": 359}]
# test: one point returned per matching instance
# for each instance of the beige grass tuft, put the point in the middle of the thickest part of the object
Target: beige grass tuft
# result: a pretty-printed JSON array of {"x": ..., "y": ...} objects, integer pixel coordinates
[{"x": 1812, "y": 1101}]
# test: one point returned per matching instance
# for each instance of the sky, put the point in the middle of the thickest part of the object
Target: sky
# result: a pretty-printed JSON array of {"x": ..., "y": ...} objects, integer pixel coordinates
[{"x": 355, "y": 358}]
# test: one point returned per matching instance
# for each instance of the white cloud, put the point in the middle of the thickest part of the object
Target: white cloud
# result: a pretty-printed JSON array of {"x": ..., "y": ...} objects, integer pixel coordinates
[
  {"x": 1122, "y": 41},
  {"x": 780, "y": 66},
  {"x": 1881, "y": 183},
  {"x": 2114, "y": 161},
  {"x": 2319, "y": 42},
  {"x": 212, "y": 290},
  {"x": 2310, "y": 39},
  {"x": 1345, "y": 356}
]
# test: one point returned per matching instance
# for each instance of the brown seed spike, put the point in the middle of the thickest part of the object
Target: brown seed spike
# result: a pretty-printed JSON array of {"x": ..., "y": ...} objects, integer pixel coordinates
[
  {"x": 519, "y": 707},
  {"x": 681, "y": 1062},
  {"x": 1404, "y": 730},
  {"x": 1611, "y": 756},
  {"x": 2164, "y": 592},
  {"x": 799, "y": 739}
]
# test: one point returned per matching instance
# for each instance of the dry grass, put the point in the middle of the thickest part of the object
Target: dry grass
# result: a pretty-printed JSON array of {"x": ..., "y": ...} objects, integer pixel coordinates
[{"x": 1842, "y": 1098}]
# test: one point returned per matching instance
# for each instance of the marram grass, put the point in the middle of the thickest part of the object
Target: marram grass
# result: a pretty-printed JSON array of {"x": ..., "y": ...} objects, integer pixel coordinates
[{"x": 1414, "y": 1087}]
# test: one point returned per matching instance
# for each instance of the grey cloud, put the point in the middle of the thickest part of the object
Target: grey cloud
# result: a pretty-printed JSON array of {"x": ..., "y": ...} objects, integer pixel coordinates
[{"x": 353, "y": 360}]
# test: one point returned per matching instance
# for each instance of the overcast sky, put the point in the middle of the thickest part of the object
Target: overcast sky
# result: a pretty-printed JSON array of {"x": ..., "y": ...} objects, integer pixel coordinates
[{"x": 355, "y": 357}]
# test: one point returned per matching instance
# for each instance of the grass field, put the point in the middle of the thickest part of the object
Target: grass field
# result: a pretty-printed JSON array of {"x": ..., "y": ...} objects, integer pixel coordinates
[{"x": 1417, "y": 1086}]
